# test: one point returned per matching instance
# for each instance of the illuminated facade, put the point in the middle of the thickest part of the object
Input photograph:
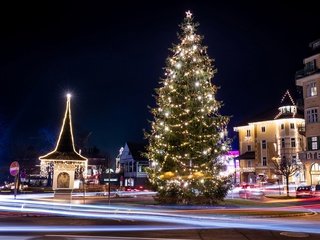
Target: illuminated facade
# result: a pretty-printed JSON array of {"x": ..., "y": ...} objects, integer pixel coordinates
[
  {"x": 64, "y": 165},
  {"x": 309, "y": 79},
  {"x": 271, "y": 135},
  {"x": 133, "y": 165}
]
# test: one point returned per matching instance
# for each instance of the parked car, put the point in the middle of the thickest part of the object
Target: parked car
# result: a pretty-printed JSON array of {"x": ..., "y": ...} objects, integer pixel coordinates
[
  {"x": 304, "y": 191},
  {"x": 316, "y": 190}
]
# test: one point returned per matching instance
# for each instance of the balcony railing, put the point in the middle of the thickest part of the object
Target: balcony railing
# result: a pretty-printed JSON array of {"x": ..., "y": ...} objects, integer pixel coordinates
[
  {"x": 306, "y": 72},
  {"x": 302, "y": 130},
  {"x": 247, "y": 169}
]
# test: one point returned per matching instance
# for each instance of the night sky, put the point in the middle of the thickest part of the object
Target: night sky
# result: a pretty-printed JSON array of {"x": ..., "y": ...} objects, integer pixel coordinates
[{"x": 110, "y": 56}]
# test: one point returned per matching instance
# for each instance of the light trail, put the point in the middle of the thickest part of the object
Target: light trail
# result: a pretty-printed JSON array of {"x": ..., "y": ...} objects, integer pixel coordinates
[{"x": 169, "y": 219}]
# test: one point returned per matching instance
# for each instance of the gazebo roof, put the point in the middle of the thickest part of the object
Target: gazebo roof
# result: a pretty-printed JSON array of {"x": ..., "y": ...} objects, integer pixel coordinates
[{"x": 65, "y": 149}]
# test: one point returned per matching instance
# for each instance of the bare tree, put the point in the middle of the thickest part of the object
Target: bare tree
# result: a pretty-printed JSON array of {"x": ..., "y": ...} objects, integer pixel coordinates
[{"x": 286, "y": 168}]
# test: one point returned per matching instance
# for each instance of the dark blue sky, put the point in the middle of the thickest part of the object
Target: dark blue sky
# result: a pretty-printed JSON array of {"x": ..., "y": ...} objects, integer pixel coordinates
[{"x": 110, "y": 56}]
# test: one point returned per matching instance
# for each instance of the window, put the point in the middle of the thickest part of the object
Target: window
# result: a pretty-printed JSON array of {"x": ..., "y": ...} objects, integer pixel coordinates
[
  {"x": 264, "y": 161},
  {"x": 294, "y": 159},
  {"x": 292, "y": 125},
  {"x": 283, "y": 143},
  {"x": 293, "y": 142},
  {"x": 310, "y": 66},
  {"x": 311, "y": 89},
  {"x": 315, "y": 167},
  {"x": 249, "y": 148},
  {"x": 282, "y": 126},
  {"x": 312, "y": 115},
  {"x": 263, "y": 144},
  {"x": 248, "y": 133},
  {"x": 249, "y": 163},
  {"x": 263, "y": 129},
  {"x": 314, "y": 141}
]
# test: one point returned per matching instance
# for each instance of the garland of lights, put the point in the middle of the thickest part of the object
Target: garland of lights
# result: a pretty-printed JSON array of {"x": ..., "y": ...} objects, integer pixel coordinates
[{"x": 188, "y": 134}]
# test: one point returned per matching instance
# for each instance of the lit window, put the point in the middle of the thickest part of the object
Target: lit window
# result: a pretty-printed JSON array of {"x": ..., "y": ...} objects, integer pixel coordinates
[
  {"x": 312, "y": 115},
  {"x": 315, "y": 167},
  {"x": 311, "y": 89},
  {"x": 263, "y": 129},
  {"x": 314, "y": 141}
]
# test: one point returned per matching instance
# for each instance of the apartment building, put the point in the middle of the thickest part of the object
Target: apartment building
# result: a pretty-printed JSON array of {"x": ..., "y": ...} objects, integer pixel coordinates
[
  {"x": 309, "y": 79},
  {"x": 271, "y": 135}
]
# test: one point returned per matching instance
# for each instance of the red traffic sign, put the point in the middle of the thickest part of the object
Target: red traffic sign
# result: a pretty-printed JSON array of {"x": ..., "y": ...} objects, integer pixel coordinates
[{"x": 14, "y": 168}]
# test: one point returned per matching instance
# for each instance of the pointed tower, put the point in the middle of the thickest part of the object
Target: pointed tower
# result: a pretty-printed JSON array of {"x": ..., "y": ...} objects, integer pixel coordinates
[
  {"x": 288, "y": 108},
  {"x": 64, "y": 162}
]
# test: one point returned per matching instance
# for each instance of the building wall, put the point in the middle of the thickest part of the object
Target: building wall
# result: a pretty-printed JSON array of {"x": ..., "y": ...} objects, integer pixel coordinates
[
  {"x": 311, "y": 157},
  {"x": 272, "y": 135}
]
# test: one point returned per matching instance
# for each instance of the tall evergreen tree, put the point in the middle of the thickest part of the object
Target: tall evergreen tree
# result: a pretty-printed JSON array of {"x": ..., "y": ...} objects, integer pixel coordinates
[{"x": 188, "y": 134}]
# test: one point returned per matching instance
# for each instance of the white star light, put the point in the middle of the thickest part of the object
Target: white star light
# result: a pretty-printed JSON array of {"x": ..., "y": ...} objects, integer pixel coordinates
[{"x": 189, "y": 14}]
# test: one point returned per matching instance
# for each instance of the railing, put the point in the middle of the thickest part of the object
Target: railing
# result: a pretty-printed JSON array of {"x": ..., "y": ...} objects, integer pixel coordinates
[
  {"x": 302, "y": 130},
  {"x": 306, "y": 72},
  {"x": 247, "y": 169}
]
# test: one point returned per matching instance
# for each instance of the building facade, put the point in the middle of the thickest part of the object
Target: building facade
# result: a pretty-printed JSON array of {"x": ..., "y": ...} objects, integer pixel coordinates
[
  {"x": 309, "y": 79},
  {"x": 133, "y": 165},
  {"x": 272, "y": 135}
]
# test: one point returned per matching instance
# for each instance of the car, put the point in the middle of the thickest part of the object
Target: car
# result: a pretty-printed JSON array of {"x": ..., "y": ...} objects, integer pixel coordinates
[
  {"x": 304, "y": 191},
  {"x": 250, "y": 191},
  {"x": 134, "y": 189},
  {"x": 316, "y": 191}
]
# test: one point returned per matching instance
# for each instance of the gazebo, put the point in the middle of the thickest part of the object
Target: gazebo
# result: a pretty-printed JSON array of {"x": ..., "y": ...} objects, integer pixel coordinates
[{"x": 64, "y": 161}]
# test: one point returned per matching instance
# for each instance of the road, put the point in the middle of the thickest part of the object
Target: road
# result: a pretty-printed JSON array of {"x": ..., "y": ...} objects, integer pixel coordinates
[{"x": 30, "y": 219}]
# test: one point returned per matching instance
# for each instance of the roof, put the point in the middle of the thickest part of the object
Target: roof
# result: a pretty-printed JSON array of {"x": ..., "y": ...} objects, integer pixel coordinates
[
  {"x": 247, "y": 156},
  {"x": 136, "y": 150},
  {"x": 275, "y": 113},
  {"x": 65, "y": 149}
]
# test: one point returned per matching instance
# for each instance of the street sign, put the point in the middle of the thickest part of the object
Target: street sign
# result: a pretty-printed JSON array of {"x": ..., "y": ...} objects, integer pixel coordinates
[{"x": 14, "y": 168}]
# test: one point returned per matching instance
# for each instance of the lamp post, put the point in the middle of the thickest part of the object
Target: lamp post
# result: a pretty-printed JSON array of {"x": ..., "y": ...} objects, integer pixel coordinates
[{"x": 109, "y": 172}]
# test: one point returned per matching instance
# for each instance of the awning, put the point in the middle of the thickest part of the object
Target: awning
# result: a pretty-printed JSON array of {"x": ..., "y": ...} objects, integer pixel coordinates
[{"x": 247, "y": 156}]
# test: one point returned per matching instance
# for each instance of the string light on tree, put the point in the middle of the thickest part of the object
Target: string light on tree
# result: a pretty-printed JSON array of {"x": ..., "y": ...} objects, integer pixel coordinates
[{"x": 188, "y": 132}]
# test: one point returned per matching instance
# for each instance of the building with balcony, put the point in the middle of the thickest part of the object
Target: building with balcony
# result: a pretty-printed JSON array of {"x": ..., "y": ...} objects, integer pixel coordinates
[
  {"x": 309, "y": 79},
  {"x": 133, "y": 165},
  {"x": 271, "y": 135}
]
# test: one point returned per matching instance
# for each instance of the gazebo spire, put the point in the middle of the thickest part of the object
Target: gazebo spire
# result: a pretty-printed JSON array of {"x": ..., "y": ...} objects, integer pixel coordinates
[{"x": 65, "y": 149}]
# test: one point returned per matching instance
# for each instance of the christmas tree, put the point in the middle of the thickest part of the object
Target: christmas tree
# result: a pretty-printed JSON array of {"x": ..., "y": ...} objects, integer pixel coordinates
[{"x": 188, "y": 134}]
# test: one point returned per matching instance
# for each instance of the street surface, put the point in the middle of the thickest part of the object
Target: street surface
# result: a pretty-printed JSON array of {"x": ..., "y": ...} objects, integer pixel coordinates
[{"x": 124, "y": 218}]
